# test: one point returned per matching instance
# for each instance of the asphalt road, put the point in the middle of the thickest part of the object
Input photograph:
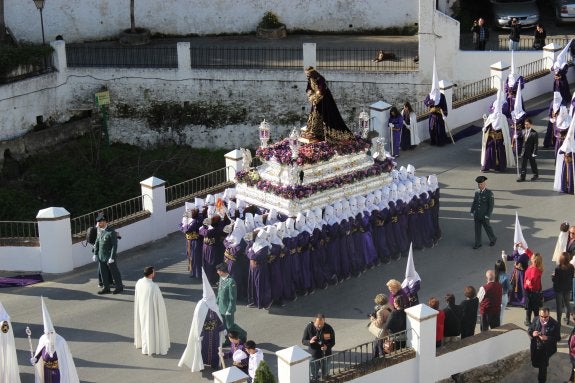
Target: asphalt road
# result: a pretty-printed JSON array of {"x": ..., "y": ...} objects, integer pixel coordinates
[{"x": 99, "y": 329}]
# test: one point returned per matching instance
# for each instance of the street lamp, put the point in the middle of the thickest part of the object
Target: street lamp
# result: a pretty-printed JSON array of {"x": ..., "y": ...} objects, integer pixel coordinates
[{"x": 40, "y": 5}]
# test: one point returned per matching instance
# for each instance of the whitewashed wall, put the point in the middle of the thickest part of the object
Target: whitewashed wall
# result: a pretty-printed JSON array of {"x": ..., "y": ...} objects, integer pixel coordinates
[{"x": 81, "y": 20}]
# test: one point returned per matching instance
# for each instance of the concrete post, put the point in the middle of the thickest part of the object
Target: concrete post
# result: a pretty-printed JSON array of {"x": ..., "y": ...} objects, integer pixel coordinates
[
  {"x": 154, "y": 200},
  {"x": 234, "y": 163},
  {"x": 499, "y": 71},
  {"x": 55, "y": 234},
  {"x": 184, "y": 57},
  {"x": 421, "y": 327},
  {"x": 550, "y": 52},
  {"x": 230, "y": 375},
  {"x": 293, "y": 365},
  {"x": 309, "y": 55},
  {"x": 427, "y": 40},
  {"x": 379, "y": 117}
]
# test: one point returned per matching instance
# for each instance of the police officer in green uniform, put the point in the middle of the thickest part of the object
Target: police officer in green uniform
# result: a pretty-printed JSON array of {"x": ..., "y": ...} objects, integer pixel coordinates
[
  {"x": 481, "y": 210},
  {"x": 226, "y": 298}
]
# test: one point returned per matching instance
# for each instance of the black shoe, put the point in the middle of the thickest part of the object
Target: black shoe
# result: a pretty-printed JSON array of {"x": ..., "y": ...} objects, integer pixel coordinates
[
  {"x": 492, "y": 243},
  {"x": 520, "y": 179},
  {"x": 535, "y": 177},
  {"x": 118, "y": 290},
  {"x": 104, "y": 291},
  {"x": 475, "y": 247}
]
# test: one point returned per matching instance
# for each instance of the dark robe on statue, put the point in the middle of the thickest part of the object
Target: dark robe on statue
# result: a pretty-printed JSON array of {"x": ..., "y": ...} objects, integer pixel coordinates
[
  {"x": 259, "y": 291},
  {"x": 437, "y": 133},
  {"x": 238, "y": 266},
  {"x": 211, "y": 339}
]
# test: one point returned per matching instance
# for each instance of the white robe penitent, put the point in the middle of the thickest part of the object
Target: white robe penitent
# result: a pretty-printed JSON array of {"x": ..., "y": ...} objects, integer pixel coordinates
[
  {"x": 66, "y": 366},
  {"x": 9, "y": 371},
  {"x": 151, "y": 332}
]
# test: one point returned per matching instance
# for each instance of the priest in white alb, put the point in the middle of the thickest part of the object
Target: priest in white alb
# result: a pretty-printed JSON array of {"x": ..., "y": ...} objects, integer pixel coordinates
[
  {"x": 151, "y": 332},
  {"x": 8, "y": 361}
]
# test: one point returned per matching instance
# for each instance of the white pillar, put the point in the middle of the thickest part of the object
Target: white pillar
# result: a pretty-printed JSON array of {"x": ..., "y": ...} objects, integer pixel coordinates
[
  {"x": 379, "y": 116},
  {"x": 421, "y": 327},
  {"x": 230, "y": 375},
  {"x": 293, "y": 365},
  {"x": 427, "y": 40},
  {"x": 55, "y": 240},
  {"x": 309, "y": 55},
  {"x": 550, "y": 52},
  {"x": 499, "y": 71},
  {"x": 234, "y": 163},
  {"x": 59, "y": 55},
  {"x": 184, "y": 58},
  {"x": 154, "y": 200}
]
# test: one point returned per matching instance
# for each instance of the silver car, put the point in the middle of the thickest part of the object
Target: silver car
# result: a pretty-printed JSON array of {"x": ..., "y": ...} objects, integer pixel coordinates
[
  {"x": 564, "y": 11},
  {"x": 525, "y": 11}
]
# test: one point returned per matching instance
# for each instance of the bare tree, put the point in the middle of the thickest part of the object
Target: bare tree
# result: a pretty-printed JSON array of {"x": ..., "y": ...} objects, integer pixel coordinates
[{"x": 2, "y": 23}]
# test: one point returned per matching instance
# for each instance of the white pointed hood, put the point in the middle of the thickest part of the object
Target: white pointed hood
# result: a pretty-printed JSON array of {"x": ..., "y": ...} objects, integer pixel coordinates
[
  {"x": 518, "y": 111},
  {"x": 435, "y": 94},
  {"x": 512, "y": 74},
  {"x": 518, "y": 234},
  {"x": 556, "y": 103},
  {"x": 568, "y": 145},
  {"x": 48, "y": 326},
  {"x": 208, "y": 295},
  {"x": 411, "y": 275},
  {"x": 495, "y": 118},
  {"x": 561, "y": 59}
]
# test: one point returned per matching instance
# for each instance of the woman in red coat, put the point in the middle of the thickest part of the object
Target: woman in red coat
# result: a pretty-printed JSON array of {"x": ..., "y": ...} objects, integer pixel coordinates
[{"x": 532, "y": 286}]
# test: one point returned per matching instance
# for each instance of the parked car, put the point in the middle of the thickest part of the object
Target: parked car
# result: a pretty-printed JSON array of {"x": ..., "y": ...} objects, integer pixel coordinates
[
  {"x": 525, "y": 11},
  {"x": 564, "y": 11}
]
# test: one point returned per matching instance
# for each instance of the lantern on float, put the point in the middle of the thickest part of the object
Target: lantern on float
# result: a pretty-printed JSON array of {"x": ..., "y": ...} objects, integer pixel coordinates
[
  {"x": 363, "y": 124},
  {"x": 264, "y": 131},
  {"x": 294, "y": 143}
]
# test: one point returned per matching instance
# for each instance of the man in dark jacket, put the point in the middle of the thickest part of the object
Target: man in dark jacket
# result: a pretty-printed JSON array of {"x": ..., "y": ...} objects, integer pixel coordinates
[
  {"x": 480, "y": 34},
  {"x": 544, "y": 332},
  {"x": 529, "y": 152},
  {"x": 514, "y": 34},
  {"x": 481, "y": 210},
  {"x": 452, "y": 321},
  {"x": 320, "y": 339}
]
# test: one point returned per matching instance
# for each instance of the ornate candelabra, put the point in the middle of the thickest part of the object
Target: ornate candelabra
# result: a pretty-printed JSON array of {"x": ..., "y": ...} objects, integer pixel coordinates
[
  {"x": 363, "y": 124},
  {"x": 264, "y": 130},
  {"x": 294, "y": 143}
]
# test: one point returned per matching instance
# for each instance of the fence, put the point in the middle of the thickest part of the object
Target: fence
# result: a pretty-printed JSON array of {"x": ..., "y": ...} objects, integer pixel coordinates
[
  {"x": 42, "y": 66},
  {"x": 338, "y": 366},
  {"x": 474, "y": 91},
  {"x": 207, "y": 183},
  {"x": 118, "y": 214},
  {"x": 421, "y": 111},
  {"x": 533, "y": 69},
  {"x": 122, "y": 56},
  {"x": 526, "y": 42},
  {"x": 18, "y": 232},
  {"x": 397, "y": 60}
]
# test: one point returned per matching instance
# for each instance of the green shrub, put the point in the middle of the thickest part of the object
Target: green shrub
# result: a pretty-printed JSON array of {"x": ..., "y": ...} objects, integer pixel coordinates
[
  {"x": 12, "y": 57},
  {"x": 264, "y": 374},
  {"x": 269, "y": 21}
]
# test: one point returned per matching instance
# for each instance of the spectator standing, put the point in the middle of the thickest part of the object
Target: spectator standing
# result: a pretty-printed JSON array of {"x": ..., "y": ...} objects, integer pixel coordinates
[
  {"x": 379, "y": 318},
  {"x": 570, "y": 249},
  {"x": 502, "y": 277},
  {"x": 490, "y": 302},
  {"x": 480, "y": 34},
  {"x": 539, "y": 37},
  {"x": 514, "y": 34},
  {"x": 440, "y": 321},
  {"x": 469, "y": 308},
  {"x": 320, "y": 339},
  {"x": 532, "y": 287},
  {"x": 562, "y": 282},
  {"x": 256, "y": 356},
  {"x": 395, "y": 290},
  {"x": 544, "y": 332},
  {"x": 453, "y": 319},
  {"x": 396, "y": 322}
]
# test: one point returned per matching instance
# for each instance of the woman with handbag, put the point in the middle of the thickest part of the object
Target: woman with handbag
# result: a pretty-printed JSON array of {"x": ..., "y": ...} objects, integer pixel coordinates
[
  {"x": 532, "y": 286},
  {"x": 562, "y": 279},
  {"x": 377, "y": 322}
]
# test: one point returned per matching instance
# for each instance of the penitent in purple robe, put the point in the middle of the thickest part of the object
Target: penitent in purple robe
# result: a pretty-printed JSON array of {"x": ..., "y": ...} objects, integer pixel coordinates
[
  {"x": 348, "y": 248},
  {"x": 425, "y": 215},
  {"x": 194, "y": 244},
  {"x": 437, "y": 133},
  {"x": 560, "y": 135},
  {"x": 334, "y": 258},
  {"x": 287, "y": 255},
  {"x": 51, "y": 370},
  {"x": 567, "y": 173},
  {"x": 511, "y": 93},
  {"x": 561, "y": 85},
  {"x": 395, "y": 133},
  {"x": 516, "y": 291},
  {"x": 319, "y": 268},
  {"x": 379, "y": 237},
  {"x": 367, "y": 245},
  {"x": 414, "y": 231},
  {"x": 516, "y": 129},
  {"x": 276, "y": 282},
  {"x": 357, "y": 238},
  {"x": 434, "y": 208},
  {"x": 494, "y": 157},
  {"x": 390, "y": 221},
  {"x": 303, "y": 239},
  {"x": 259, "y": 291},
  {"x": 549, "y": 139},
  {"x": 398, "y": 213},
  {"x": 212, "y": 250},
  {"x": 238, "y": 266},
  {"x": 211, "y": 339}
]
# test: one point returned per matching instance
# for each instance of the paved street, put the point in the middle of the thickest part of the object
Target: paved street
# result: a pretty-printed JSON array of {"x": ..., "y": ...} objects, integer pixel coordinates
[{"x": 99, "y": 328}]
